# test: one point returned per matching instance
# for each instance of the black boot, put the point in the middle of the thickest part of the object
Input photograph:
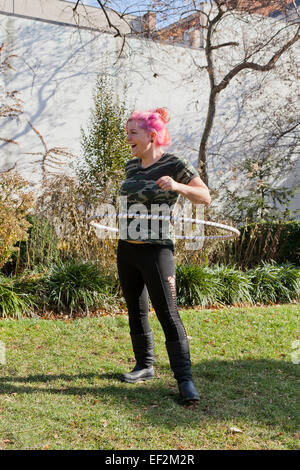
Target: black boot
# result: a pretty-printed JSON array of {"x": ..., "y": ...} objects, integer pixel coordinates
[
  {"x": 143, "y": 348},
  {"x": 180, "y": 362}
]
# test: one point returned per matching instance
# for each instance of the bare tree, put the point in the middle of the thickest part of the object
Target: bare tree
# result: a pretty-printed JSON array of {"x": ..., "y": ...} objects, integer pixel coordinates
[
  {"x": 11, "y": 107},
  {"x": 261, "y": 56},
  {"x": 10, "y": 103},
  {"x": 270, "y": 40}
]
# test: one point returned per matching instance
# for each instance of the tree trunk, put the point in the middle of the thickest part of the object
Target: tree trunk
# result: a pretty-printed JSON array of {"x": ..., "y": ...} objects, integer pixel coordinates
[{"x": 202, "y": 156}]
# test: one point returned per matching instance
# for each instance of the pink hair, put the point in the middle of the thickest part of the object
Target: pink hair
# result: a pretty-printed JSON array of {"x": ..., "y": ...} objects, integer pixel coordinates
[{"x": 154, "y": 120}]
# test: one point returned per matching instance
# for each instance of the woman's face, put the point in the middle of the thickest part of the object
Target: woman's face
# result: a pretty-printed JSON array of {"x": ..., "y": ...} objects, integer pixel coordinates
[{"x": 138, "y": 139}]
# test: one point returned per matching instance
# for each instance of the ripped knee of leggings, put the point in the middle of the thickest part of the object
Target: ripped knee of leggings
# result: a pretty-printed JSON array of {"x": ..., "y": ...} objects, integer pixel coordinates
[{"x": 172, "y": 282}]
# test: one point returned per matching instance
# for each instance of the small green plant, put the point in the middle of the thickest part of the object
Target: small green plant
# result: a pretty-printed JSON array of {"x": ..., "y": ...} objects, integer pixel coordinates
[
  {"x": 40, "y": 249},
  {"x": 104, "y": 146},
  {"x": 289, "y": 278},
  {"x": 75, "y": 286},
  {"x": 14, "y": 302},
  {"x": 196, "y": 286},
  {"x": 233, "y": 285},
  {"x": 273, "y": 283}
]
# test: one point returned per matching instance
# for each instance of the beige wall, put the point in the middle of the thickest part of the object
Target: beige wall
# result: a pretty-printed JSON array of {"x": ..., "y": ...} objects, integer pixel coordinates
[
  {"x": 55, "y": 67},
  {"x": 62, "y": 12}
]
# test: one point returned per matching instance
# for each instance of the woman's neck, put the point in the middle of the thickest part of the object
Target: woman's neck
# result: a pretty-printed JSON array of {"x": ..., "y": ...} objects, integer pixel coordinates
[{"x": 147, "y": 160}]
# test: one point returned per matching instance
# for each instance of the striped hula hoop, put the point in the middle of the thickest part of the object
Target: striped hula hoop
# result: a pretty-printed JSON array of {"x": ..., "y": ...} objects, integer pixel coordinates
[{"x": 233, "y": 231}]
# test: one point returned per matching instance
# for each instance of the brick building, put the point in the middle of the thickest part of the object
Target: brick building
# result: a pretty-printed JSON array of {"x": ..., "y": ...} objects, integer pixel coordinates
[
  {"x": 262, "y": 7},
  {"x": 188, "y": 30}
]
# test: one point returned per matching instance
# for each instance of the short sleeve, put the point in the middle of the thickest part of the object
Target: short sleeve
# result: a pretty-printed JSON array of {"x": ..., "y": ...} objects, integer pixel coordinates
[{"x": 184, "y": 171}]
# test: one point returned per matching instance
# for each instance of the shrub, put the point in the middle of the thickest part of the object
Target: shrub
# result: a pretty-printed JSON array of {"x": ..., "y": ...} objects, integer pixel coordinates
[
  {"x": 195, "y": 286},
  {"x": 75, "y": 286},
  {"x": 273, "y": 283},
  {"x": 233, "y": 285},
  {"x": 40, "y": 249},
  {"x": 68, "y": 204},
  {"x": 14, "y": 302},
  {"x": 104, "y": 146},
  {"x": 289, "y": 282},
  {"x": 265, "y": 241},
  {"x": 15, "y": 203}
]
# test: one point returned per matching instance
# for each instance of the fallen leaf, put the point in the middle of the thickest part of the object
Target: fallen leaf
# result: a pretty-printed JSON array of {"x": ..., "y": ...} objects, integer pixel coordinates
[{"x": 235, "y": 430}]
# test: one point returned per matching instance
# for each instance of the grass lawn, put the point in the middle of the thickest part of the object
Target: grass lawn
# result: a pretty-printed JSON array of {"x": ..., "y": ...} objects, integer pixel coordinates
[{"x": 60, "y": 386}]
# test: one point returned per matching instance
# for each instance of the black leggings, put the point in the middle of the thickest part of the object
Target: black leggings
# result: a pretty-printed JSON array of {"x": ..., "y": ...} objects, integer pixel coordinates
[{"x": 149, "y": 267}]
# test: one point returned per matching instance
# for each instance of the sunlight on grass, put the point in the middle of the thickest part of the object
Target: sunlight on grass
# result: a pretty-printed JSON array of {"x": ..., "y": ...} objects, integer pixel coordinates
[{"x": 60, "y": 386}]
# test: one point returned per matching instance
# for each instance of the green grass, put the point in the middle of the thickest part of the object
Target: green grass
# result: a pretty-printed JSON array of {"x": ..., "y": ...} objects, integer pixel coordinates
[{"x": 60, "y": 386}]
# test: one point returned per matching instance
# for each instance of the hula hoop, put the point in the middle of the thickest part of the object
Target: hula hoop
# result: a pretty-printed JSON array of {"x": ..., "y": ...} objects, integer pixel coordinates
[{"x": 234, "y": 232}]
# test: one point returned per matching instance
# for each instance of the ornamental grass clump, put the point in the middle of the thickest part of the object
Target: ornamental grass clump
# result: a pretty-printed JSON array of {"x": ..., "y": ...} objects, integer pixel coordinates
[
  {"x": 273, "y": 283},
  {"x": 233, "y": 285},
  {"x": 76, "y": 286},
  {"x": 289, "y": 285},
  {"x": 196, "y": 286},
  {"x": 14, "y": 302}
]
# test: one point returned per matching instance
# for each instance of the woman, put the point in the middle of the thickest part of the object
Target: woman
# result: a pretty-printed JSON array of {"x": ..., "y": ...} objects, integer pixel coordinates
[{"x": 146, "y": 258}]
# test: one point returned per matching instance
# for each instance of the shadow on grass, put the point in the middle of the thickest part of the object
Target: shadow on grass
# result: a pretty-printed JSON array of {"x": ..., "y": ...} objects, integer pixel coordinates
[{"x": 264, "y": 391}]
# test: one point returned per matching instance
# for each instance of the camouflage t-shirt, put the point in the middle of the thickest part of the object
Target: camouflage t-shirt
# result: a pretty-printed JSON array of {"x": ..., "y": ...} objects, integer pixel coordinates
[{"x": 141, "y": 195}]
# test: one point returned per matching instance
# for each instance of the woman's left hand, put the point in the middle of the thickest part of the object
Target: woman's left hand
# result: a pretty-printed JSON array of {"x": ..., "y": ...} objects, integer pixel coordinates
[{"x": 167, "y": 183}]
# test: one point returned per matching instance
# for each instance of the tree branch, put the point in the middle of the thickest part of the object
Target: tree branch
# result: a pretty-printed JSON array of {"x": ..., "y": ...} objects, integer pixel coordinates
[
  {"x": 118, "y": 32},
  {"x": 254, "y": 66},
  {"x": 225, "y": 44}
]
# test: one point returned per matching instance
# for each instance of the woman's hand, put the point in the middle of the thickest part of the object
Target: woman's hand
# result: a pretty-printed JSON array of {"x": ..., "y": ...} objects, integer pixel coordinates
[
  {"x": 167, "y": 183},
  {"x": 196, "y": 191}
]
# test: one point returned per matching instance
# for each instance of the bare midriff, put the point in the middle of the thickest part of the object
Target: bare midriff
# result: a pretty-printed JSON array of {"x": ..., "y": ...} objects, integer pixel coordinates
[{"x": 130, "y": 241}]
